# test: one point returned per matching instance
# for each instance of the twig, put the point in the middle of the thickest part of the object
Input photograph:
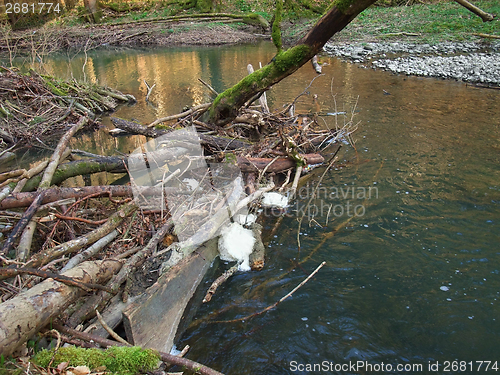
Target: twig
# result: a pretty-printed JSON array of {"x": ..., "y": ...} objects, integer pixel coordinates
[
  {"x": 218, "y": 282},
  {"x": 92, "y": 250},
  {"x": 288, "y": 295},
  {"x": 58, "y": 345},
  {"x": 202, "y": 107},
  {"x": 11, "y": 272},
  {"x": 110, "y": 331},
  {"x": 150, "y": 89},
  {"x": 82, "y": 220},
  {"x": 212, "y": 90},
  {"x": 490, "y": 36},
  {"x": 313, "y": 195},
  {"x": 292, "y": 105}
]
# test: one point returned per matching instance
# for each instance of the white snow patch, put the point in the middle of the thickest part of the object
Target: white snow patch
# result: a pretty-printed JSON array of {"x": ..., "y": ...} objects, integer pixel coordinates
[
  {"x": 236, "y": 244},
  {"x": 274, "y": 199}
]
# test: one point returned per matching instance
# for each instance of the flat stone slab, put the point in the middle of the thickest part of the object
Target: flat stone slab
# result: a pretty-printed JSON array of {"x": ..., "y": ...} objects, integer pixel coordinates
[{"x": 152, "y": 320}]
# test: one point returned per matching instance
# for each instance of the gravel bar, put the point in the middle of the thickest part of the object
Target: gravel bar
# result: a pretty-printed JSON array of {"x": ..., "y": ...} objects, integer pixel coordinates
[{"x": 468, "y": 61}]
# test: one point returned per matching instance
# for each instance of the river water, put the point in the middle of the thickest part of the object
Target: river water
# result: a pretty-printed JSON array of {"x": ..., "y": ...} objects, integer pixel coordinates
[{"x": 408, "y": 224}]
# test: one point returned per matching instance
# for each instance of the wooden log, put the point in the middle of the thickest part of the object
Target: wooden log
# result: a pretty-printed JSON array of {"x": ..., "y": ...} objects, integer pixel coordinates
[
  {"x": 257, "y": 258},
  {"x": 316, "y": 66},
  {"x": 8, "y": 175},
  {"x": 91, "y": 251},
  {"x": 24, "y": 315},
  {"x": 117, "y": 280},
  {"x": 278, "y": 165},
  {"x": 21, "y": 224},
  {"x": 57, "y": 193},
  {"x": 112, "y": 164},
  {"x": 58, "y": 152},
  {"x": 152, "y": 320},
  {"x": 44, "y": 185},
  {"x": 220, "y": 143}
]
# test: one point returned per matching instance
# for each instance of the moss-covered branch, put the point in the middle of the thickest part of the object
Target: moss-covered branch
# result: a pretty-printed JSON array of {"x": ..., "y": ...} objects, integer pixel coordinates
[
  {"x": 276, "y": 32},
  {"x": 226, "y": 105}
]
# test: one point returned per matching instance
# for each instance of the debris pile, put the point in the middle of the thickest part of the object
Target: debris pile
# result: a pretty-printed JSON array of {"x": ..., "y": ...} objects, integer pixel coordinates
[{"x": 106, "y": 255}]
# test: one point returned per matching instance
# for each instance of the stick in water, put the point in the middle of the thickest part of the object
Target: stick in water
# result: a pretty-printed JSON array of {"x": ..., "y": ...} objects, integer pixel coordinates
[{"x": 277, "y": 303}]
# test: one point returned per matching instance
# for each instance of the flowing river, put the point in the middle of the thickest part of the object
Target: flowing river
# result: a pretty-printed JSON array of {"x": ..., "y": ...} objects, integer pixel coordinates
[{"x": 408, "y": 224}]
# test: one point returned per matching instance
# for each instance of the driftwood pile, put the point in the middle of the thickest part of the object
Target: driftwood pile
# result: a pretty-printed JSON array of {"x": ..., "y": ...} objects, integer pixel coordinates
[
  {"x": 34, "y": 107},
  {"x": 69, "y": 253}
]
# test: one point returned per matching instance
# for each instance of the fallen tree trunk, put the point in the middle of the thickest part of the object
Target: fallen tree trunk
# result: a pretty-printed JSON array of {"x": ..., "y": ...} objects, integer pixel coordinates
[
  {"x": 219, "y": 143},
  {"x": 152, "y": 320},
  {"x": 24, "y": 315},
  {"x": 112, "y": 164}
]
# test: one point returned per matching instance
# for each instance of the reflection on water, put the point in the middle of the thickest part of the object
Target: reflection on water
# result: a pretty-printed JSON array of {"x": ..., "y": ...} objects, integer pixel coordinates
[{"x": 414, "y": 280}]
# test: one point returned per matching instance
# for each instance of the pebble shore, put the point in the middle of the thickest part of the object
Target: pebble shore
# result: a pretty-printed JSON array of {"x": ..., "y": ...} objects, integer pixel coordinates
[{"x": 466, "y": 61}]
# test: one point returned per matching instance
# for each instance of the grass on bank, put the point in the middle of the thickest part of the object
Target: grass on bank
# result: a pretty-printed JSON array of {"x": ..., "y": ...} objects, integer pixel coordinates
[{"x": 432, "y": 22}]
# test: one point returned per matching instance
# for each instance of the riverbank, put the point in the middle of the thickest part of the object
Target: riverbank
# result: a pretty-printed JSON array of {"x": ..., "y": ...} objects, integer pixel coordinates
[
  {"x": 470, "y": 62},
  {"x": 440, "y": 40}
]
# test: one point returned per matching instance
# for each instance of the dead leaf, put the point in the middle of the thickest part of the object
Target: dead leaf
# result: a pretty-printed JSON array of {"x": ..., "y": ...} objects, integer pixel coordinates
[
  {"x": 79, "y": 370},
  {"x": 61, "y": 367}
]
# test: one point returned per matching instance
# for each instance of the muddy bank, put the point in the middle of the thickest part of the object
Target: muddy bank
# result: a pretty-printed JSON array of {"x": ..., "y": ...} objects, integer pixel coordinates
[
  {"x": 134, "y": 35},
  {"x": 468, "y": 61}
]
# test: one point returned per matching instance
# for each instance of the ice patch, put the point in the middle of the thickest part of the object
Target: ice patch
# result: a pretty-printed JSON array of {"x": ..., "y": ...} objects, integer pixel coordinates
[
  {"x": 274, "y": 199},
  {"x": 236, "y": 244}
]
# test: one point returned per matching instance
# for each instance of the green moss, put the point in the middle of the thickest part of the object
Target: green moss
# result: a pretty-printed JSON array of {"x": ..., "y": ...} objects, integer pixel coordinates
[
  {"x": 292, "y": 57},
  {"x": 255, "y": 19},
  {"x": 230, "y": 158},
  {"x": 5, "y": 371},
  {"x": 92, "y": 358},
  {"x": 54, "y": 89},
  {"x": 343, "y": 5},
  {"x": 228, "y": 102},
  {"x": 118, "y": 360},
  {"x": 276, "y": 30},
  {"x": 204, "y": 6}
]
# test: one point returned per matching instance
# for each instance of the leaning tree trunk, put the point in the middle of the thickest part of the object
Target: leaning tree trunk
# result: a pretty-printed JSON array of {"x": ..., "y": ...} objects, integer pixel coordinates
[
  {"x": 226, "y": 105},
  {"x": 486, "y": 17}
]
